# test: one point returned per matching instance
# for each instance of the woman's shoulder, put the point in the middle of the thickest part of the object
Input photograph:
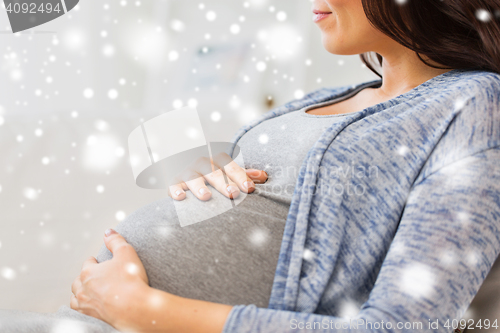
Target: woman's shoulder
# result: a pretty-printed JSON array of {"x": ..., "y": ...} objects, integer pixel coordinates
[
  {"x": 474, "y": 82},
  {"x": 469, "y": 104},
  {"x": 476, "y": 97}
]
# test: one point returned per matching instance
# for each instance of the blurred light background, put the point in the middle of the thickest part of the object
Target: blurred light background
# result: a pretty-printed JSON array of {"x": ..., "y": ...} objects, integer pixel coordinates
[{"x": 73, "y": 89}]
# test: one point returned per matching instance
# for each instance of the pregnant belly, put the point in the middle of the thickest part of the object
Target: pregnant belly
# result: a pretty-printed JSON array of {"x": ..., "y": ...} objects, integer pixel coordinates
[{"x": 230, "y": 258}]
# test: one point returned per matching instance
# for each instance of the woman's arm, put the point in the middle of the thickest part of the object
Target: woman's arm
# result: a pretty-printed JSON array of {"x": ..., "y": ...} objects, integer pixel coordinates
[
  {"x": 445, "y": 245},
  {"x": 117, "y": 291},
  {"x": 158, "y": 311}
]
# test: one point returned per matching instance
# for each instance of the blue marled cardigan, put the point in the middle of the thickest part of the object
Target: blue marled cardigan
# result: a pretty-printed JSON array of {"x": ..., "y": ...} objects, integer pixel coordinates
[{"x": 414, "y": 238}]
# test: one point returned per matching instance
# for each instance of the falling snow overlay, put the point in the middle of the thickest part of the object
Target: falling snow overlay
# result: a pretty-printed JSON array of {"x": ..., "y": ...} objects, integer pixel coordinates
[{"x": 73, "y": 89}]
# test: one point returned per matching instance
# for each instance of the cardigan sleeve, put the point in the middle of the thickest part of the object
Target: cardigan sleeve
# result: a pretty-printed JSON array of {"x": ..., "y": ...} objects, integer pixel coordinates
[{"x": 446, "y": 242}]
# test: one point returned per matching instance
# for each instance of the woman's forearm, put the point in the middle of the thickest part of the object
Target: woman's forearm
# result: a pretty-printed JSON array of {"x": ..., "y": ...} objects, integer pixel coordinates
[{"x": 158, "y": 311}]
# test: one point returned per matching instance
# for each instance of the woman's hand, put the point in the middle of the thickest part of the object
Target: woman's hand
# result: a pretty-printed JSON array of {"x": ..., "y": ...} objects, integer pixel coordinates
[
  {"x": 117, "y": 292},
  {"x": 108, "y": 290},
  {"x": 199, "y": 173}
]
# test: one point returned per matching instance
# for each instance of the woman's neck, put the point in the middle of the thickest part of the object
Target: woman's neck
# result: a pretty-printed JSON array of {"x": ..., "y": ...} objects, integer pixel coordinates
[{"x": 402, "y": 71}]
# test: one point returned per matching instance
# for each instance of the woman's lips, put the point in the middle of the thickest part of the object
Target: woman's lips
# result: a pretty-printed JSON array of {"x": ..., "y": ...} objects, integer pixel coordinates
[{"x": 319, "y": 16}]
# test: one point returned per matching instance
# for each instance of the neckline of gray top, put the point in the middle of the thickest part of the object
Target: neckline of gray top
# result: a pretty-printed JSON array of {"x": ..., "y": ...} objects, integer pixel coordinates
[{"x": 303, "y": 111}]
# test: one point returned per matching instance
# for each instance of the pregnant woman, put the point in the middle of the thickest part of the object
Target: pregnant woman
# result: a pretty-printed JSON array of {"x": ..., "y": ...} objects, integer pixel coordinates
[{"x": 373, "y": 207}]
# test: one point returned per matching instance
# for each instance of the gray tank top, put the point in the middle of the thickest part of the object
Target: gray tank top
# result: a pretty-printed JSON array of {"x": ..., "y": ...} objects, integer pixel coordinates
[{"x": 279, "y": 146}]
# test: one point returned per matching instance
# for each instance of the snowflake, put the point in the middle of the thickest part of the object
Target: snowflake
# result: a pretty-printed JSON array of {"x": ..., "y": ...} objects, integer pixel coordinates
[
  {"x": 473, "y": 258},
  {"x": 403, "y": 150},
  {"x": 215, "y": 116},
  {"x": 448, "y": 258},
  {"x": 120, "y": 215},
  {"x": 308, "y": 255},
  {"x": 8, "y": 273},
  {"x": 119, "y": 152},
  {"x": 31, "y": 193},
  {"x": 281, "y": 16},
  {"x": 177, "y": 25},
  {"x": 46, "y": 238},
  {"x": 100, "y": 125},
  {"x": 299, "y": 94},
  {"x": 88, "y": 93},
  {"x": 459, "y": 104},
  {"x": 211, "y": 16},
  {"x": 235, "y": 29},
  {"x": 156, "y": 300},
  {"x": 177, "y": 104},
  {"x": 173, "y": 55},
  {"x": 483, "y": 15},
  {"x": 68, "y": 325},
  {"x": 261, "y": 66},
  {"x": 417, "y": 280},
  {"x": 258, "y": 237},
  {"x": 132, "y": 268},
  {"x": 108, "y": 50},
  {"x": 112, "y": 94},
  {"x": 348, "y": 309}
]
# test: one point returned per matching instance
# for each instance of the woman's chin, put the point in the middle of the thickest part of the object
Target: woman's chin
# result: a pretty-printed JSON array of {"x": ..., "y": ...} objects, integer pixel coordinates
[
  {"x": 337, "y": 49},
  {"x": 338, "y": 46}
]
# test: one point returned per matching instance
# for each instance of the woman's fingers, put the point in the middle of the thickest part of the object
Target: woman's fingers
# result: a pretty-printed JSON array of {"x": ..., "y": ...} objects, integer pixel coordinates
[
  {"x": 199, "y": 189},
  {"x": 77, "y": 283},
  {"x": 216, "y": 179},
  {"x": 177, "y": 192},
  {"x": 224, "y": 174},
  {"x": 236, "y": 175},
  {"x": 258, "y": 176},
  {"x": 239, "y": 177},
  {"x": 73, "y": 302}
]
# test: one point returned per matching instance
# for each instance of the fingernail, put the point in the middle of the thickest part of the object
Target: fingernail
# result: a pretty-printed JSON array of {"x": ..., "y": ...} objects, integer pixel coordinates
[
  {"x": 178, "y": 192},
  {"x": 203, "y": 191},
  {"x": 231, "y": 189},
  {"x": 248, "y": 184},
  {"x": 109, "y": 232},
  {"x": 255, "y": 173}
]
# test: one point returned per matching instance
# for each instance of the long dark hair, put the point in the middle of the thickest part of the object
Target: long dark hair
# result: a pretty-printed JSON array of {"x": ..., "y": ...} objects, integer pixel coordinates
[{"x": 462, "y": 34}]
